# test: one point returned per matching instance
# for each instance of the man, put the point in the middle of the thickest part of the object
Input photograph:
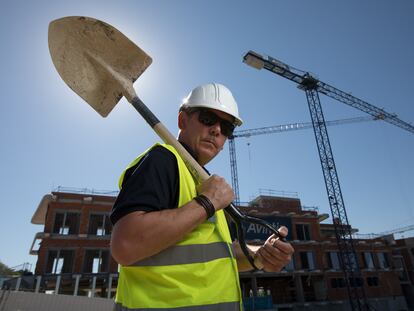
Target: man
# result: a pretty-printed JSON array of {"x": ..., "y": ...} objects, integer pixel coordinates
[{"x": 170, "y": 236}]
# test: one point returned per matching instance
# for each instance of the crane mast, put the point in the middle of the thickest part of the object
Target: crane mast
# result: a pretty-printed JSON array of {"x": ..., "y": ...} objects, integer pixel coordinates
[
  {"x": 312, "y": 88},
  {"x": 233, "y": 168},
  {"x": 342, "y": 227}
]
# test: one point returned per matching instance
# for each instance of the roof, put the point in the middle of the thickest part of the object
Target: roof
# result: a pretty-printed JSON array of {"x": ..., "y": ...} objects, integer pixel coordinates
[{"x": 39, "y": 215}]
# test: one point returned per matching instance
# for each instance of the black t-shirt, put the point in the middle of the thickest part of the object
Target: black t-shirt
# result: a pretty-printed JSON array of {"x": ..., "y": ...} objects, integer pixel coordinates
[{"x": 150, "y": 185}]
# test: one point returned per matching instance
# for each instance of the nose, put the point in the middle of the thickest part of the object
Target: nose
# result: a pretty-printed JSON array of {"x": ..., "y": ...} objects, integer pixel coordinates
[{"x": 215, "y": 129}]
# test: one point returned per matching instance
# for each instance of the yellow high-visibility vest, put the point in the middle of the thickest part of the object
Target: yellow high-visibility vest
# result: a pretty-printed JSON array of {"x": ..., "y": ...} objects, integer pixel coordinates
[{"x": 198, "y": 273}]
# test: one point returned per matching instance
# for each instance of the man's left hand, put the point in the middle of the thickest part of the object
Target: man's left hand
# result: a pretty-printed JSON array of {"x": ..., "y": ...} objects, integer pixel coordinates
[{"x": 274, "y": 253}]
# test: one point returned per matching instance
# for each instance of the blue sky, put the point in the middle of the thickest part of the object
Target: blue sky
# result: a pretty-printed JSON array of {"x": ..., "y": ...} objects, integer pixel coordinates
[{"x": 49, "y": 137}]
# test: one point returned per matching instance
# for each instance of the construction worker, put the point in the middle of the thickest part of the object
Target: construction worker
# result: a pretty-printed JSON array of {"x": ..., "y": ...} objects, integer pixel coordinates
[{"x": 171, "y": 237}]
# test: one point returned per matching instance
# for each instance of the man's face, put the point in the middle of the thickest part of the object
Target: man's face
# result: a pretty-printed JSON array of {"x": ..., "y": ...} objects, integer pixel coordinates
[{"x": 206, "y": 141}]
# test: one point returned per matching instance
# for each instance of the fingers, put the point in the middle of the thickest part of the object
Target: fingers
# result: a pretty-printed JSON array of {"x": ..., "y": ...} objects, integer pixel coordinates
[
  {"x": 276, "y": 254},
  {"x": 283, "y": 231},
  {"x": 278, "y": 245},
  {"x": 218, "y": 191}
]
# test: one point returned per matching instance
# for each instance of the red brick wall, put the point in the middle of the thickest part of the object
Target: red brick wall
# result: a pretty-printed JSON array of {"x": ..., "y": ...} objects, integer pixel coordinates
[{"x": 78, "y": 244}]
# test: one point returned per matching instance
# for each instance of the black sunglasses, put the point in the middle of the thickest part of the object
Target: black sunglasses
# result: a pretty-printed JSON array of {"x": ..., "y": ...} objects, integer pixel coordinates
[{"x": 209, "y": 118}]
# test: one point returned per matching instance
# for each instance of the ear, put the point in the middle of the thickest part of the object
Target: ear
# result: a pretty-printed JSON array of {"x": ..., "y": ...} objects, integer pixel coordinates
[{"x": 182, "y": 120}]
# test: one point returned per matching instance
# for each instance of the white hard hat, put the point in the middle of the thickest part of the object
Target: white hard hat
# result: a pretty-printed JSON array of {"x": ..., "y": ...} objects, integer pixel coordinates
[{"x": 213, "y": 96}]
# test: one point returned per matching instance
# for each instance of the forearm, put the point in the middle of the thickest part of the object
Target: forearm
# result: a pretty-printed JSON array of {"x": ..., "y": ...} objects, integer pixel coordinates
[{"x": 139, "y": 235}]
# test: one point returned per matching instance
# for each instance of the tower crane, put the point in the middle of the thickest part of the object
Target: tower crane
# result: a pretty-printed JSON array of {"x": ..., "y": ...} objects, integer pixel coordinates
[
  {"x": 398, "y": 230},
  {"x": 270, "y": 130},
  {"x": 388, "y": 232},
  {"x": 313, "y": 87}
]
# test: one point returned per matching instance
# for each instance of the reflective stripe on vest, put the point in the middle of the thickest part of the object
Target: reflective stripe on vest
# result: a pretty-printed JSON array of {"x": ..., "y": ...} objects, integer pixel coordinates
[
  {"x": 198, "y": 273},
  {"x": 225, "y": 306},
  {"x": 186, "y": 254}
]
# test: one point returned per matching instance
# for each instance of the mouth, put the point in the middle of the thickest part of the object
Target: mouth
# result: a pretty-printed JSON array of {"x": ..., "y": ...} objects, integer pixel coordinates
[{"x": 212, "y": 142}]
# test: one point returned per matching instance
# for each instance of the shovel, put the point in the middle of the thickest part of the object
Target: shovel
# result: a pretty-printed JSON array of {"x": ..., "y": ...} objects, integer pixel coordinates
[{"x": 100, "y": 64}]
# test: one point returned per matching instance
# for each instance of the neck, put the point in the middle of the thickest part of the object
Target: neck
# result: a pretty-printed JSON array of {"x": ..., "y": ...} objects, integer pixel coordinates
[{"x": 187, "y": 147}]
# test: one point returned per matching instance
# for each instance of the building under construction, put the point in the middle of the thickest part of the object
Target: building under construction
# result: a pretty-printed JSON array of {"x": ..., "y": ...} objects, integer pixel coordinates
[{"x": 74, "y": 257}]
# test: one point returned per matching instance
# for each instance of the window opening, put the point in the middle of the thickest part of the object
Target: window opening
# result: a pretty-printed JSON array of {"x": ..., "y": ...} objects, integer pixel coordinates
[
  {"x": 66, "y": 223},
  {"x": 96, "y": 261},
  {"x": 302, "y": 232},
  {"x": 369, "y": 262},
  {"x": 383, "y": 260},
  {"x": 333, "y": 260},
  {"x": 99, "y": 224},
  {"x": 59, "y": 261},
  {"x": 307, "y": 260}
]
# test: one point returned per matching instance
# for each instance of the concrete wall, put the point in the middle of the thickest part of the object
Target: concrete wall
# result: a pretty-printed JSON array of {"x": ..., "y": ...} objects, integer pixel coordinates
[
  {"x": 25, "y": 301},
  {"x": 384, "y": 304}
]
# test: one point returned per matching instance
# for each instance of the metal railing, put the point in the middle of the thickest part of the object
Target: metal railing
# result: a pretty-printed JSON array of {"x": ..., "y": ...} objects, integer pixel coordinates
[{"x": 85, "y": 191}]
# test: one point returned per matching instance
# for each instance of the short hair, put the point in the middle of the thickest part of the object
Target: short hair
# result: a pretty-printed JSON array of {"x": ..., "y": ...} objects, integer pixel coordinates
[{"x": 189, "y": 110}]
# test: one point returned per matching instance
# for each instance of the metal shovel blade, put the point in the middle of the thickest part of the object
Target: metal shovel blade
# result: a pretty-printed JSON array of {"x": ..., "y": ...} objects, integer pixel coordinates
[{"x": 80, "y": 45}]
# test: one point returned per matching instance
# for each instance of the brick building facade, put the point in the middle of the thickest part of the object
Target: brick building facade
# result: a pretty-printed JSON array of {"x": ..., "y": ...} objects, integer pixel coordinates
[
  {"x": 75, "y": 244},
  {"x": 314, "y": 278},
  {"x": 403, "y": 256},
  {"x": 74, "y": 258}
]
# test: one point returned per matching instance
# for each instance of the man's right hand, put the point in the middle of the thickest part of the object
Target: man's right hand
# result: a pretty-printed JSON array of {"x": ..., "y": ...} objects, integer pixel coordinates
[{"x": 218, "y": 191}]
